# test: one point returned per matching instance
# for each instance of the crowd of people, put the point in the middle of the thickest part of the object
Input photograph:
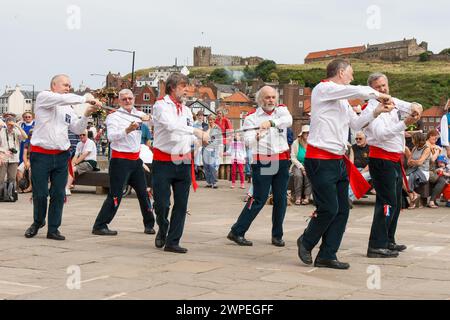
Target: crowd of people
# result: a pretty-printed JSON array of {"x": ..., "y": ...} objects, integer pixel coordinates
[{"x": 322, "y": 166}]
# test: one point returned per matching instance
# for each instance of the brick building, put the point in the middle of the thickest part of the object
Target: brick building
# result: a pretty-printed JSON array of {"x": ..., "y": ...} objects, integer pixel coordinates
[{"x": 236, "y": 107}]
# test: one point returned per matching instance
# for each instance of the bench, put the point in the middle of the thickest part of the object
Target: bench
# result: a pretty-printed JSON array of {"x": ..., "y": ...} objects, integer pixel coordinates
[{"x": 99, "y": 179}]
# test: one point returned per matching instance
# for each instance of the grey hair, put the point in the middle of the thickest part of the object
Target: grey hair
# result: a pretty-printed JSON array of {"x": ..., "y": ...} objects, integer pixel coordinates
[
  {"x": 259, "y": 97},
  {"x": 125, "y": 91},
  {"x": 57, "y": 77},
  {"x": 374, "y": 77},
  {"x": 174, "y": 80},
  {"x": 334, "y": 66}
]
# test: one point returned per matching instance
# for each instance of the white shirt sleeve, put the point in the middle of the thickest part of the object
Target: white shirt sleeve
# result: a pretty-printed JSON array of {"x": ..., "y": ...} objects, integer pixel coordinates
[
  {"x": 339, "y": 91},
  {"x": 49, "y": 99},
  {"x": 77, "y": 125},
  {"x": 285, "y": 121},
  {"x": 115, "y": 131},
  {"x": 250, "y": 136},
  {"x": 444, "y": 131},
  {"x": 358, "y": 122}
]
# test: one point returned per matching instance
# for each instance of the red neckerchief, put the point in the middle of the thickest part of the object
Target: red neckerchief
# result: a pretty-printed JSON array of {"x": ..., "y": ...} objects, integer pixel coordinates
[
  {"x": 177, "y": 104},
  {"x": 269, "y": 112},
  {"x": 325, "y": 80}
]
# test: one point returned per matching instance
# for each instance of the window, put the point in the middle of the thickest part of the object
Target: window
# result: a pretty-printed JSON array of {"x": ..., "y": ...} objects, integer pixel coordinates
[
  {"x": 425, "y": 128},
  {"x": 146, "y": 97},
  {"x": 281, "y": 100},
  {"x": 431, "y": 119},
  {"x": 281, "y": 92},
  {"x": 438, "y": 120},
  {"x": 300, "y": 92},
  {"x": 147, "y": 109},
  {"x": 300, "y": 104}
]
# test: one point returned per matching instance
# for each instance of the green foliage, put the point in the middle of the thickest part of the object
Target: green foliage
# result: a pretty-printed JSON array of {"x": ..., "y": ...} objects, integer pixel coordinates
[
  {"x": 265, "y": 68},
  {"x": 445, "y": 51},
  {"x": 425, "y": 56},
  {"x": 220, "y": 75}
]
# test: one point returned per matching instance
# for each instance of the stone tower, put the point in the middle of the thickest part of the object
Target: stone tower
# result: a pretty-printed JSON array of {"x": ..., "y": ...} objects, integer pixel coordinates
[{"x": 202, "y": 56}]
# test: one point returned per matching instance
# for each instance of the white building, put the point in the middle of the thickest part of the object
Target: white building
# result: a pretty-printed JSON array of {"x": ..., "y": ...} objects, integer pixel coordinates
[
  {"x": 16, "y": 101},
  {"x": 160, "y": 73}
]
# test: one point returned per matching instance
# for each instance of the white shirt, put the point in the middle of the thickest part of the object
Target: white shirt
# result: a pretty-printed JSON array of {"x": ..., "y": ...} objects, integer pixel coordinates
[
  {"x": 332, "y": 115},
  {"x": 54, "y": 116},
  {"x": 90, "y": 147},
  {"x": 173, "y": 133},
  {"x": 387, "y": 131},
  {"x": 117, "y": 123},
  {"x": 275, "y": 141},
  {"x": 9, "y": 140}
]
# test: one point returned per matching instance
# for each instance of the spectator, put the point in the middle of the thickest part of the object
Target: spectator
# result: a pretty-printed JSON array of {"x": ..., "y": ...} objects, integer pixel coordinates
[
  {"x": 92, "y": 131},
  {"x": 24, "y": 169},
  {"x": 359, "y": 155},
  {"x": 411, "y": 130},
  {"x": 85, "y": 159},
  {"x": 418, "y": 167},
  {"x": 442, "y": 173},
  {"x": 237, "y": 151},
  {"x": 225, "y": 125},
  {"x": 74, "y": 139},
  {"x": 146, "y": 137},
  {"x": 211, "y": 153},
  {"x": 199, "y": 124},
  {"x": 302, "y": 185},
  {"x": 10, "y": 138},
  {"x": 27, "y": 125},
  {"x": 445, "y": 130}
]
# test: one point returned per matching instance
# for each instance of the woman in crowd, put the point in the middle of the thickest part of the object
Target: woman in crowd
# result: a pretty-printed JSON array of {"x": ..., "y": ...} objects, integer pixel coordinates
[{"x": 302, "y": 186}]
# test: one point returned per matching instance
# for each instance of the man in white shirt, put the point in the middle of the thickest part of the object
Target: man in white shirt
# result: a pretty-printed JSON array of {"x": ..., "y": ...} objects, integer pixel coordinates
[
  {"x": 125, "y": 166},
  {"x": 50, "y": 154},
  {"x": 326, "y": 166},
  {"x": 173, "y": 166},
  {"x": 386, "y": 138},
  {"x": 270, "y": 168},
  {"x": 85, "y": 159}
]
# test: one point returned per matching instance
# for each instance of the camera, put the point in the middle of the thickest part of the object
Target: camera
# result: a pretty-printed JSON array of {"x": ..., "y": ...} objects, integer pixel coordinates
[{"x": 13, "y": 150}]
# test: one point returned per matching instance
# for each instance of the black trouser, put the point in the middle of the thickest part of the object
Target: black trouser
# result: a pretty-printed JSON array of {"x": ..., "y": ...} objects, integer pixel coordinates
[
  {"x": 329, "y": 181},
  {"x": 265, "y": 175},
  {"x": 387, "y": 181},
  {"x": 55, "y": 168},
  {"x": 178, "y": 176},
  {"x": 121, "y": 173}
]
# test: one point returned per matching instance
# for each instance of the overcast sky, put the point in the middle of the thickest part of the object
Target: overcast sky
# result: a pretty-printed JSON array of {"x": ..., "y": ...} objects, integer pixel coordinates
[{"x": 46, "y": 37}]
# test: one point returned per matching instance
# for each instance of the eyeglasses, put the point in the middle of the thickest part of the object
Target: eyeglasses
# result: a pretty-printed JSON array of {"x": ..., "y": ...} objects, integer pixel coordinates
[
  {"x": 125, "y": 99},
  {"x": 82, "y": 135}
]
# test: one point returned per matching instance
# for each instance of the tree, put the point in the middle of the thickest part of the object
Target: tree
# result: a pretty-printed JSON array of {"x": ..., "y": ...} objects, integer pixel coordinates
[
  {"x": 221, "y": 76},
  {"x": 445, "y": 51},
  {"x": 274, "y": 77},
  {"x": 424, "y": 56},
  {"x": 265, "y": 68}
]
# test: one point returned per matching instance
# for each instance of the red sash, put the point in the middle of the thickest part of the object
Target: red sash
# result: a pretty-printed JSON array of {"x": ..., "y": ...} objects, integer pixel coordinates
[
  {"x": 53, "y": 152},
  {"x": 159, "y": 155},
  {"x": 378, "y": 153},
  {"x": 358, "y": 184},
  {"x": 124, "y": 155},
  {"x": 272, "y": 157}
]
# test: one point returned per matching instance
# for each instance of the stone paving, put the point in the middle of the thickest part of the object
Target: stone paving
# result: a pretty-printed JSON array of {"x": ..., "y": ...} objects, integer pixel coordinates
[{"x": 129, "y": 266}]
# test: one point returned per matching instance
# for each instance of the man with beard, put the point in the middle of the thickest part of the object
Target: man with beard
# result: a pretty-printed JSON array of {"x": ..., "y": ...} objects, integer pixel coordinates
[
  {"x": 173, "y": 165},
  {"x": 270, "y": 168},
  {"x": 329, "y": 171},
  {"x": 386, "y": 137}
]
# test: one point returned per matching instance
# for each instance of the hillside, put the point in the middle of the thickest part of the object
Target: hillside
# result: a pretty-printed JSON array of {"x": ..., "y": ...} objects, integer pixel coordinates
[{"x": 423, "y": 82}]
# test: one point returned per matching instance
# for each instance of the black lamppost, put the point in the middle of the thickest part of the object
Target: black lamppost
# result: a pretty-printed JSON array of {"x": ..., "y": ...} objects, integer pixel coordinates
[{"x": 132, "y": 66}]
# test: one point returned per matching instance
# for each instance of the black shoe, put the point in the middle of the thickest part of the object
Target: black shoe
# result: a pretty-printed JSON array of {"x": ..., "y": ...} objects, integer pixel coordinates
[
  {"x": 55, "y": 236},
  {"x": 333, "y": 264},
  {"x": 149, "y": 230},
  {"x": 104, "y": 232},
  {"x": 239, "y": 240},
  {"x": 175, "y": 249},
  {"x": 303, "y": 254},
  {"x": 397, "y": 247},
  {"x": 215, "y": 186},
  {"x": 381, "y": 253},
  {"x": 33, "y": 230},
  {"x": 160, "y": 240},
  {"x": 278, "y": 242}
]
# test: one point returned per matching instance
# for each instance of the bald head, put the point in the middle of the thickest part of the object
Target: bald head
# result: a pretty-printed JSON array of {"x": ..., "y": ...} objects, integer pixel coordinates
[
  {"x": 267, "y": 98},
  {"x": 60, "y": 84}
]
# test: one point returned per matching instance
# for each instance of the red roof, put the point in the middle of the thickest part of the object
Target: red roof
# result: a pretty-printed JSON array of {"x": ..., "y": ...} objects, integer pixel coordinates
[
  {"x": 335, "y": 52},
  {"x": 237, "y": 97},
  {"x": 200, "y": 92},
  {"x": 433, "y": 112}
]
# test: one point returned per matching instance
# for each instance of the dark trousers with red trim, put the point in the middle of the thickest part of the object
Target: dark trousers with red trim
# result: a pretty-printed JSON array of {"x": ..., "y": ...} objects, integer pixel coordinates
[
  {"x": 47, "y": 167},
  {"x": 265, "y": 175},
  {"x": 121, "y": 173},
  {"x": 387, "y": 181},
  {"x": 166, "y": 175},
  {"x": 329, "y": 181}
]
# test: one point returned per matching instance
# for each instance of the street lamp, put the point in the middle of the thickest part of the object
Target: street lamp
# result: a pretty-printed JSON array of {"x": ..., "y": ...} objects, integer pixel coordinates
[
  {"x": 132, "y": 67},
  {"x": 32, "y": 97}
]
